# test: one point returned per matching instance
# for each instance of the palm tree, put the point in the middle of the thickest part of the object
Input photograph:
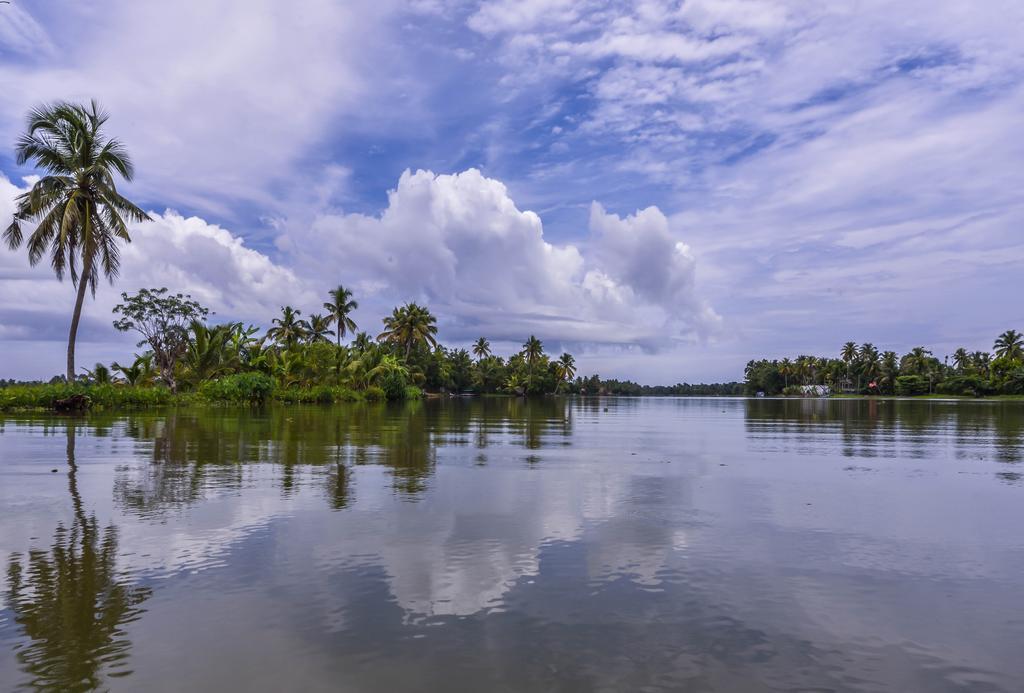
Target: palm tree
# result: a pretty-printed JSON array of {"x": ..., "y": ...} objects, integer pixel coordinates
[
  {"x": 338, "y": 309},
  {"x": 362, "y": 342},
  {"x": 100, "y": 374},
  {"x": 481, "y": 348},
  {"x": 319, "y": 328},
  {"x": 140, "y": 372},
  {"x": 890, "y": 370},
  {"x": 849, "y": 354},
  {"x": 981, "y": 361},
  {"x": 917, "y": 360},
  {"x": 961, "y": 359},
  {"x": 409, "y": 326},
  {"x": 289, "y": 328},
  {"x": 566, "y": 366},
  {"x": 1010, "y": 346},
  {"x": 785, "y": 369},
  {"x": 79, "y": 215},
  {"x": 533, "y": 349},
  {"x": 869, "y": 362}
]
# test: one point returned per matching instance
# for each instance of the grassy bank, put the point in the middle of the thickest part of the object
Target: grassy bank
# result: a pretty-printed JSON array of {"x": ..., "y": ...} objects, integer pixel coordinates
[{"x": 231, "y": 390}]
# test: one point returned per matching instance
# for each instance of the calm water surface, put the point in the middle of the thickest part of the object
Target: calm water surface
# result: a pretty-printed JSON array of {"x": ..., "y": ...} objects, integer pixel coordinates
[{"x": 498, "y": 545}]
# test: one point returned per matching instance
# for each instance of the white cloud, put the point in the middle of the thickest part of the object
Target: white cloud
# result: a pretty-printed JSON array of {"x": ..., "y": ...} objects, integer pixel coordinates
[{"x": 459, "y": 243}]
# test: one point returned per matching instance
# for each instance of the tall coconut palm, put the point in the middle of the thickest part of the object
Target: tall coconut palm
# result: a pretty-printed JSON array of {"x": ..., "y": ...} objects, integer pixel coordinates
[
  {"x": 338, "y": 309},
  {"x": 849, "y": 355},
  {"x": 319, "y": 329},
  {"x": 288, "y": 329},
  {"x": 80, "y": 217},
  {"x": 481, "y": 348},
  {"x": 533, "y": 349},
  {"x": 1010, "y": 346},
  {"x": 409, "y": 326}
]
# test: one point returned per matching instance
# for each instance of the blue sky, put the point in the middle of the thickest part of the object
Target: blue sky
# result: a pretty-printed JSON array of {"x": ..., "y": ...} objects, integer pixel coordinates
[{"x": 665, "y": 188}]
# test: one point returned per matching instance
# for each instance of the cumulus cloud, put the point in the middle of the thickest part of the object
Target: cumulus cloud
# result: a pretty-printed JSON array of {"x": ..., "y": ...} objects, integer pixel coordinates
[{"x": 459, "y": 243}]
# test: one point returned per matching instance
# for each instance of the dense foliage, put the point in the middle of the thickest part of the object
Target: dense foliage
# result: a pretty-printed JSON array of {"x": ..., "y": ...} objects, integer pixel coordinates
[
  {"x": 864, "y": 370},
  {"x": 300, "y": 360}
]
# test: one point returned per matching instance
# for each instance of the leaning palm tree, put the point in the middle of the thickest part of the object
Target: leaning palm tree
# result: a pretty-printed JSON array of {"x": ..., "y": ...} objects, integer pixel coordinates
[
  {"x": 319, "y": 329},
  {"x": 79, "y": 215},
  {"x": 289, "y": 328},
  {"x": 566, "y": 368},
  {"x": 1010, "y": 346},
  {"x": 481, "y": 348},
  {"x": 338, "y": 309}
]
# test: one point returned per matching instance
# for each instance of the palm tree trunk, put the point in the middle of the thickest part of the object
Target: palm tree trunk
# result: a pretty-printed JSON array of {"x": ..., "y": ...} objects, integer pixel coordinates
[{"x": 83, "y": 282}]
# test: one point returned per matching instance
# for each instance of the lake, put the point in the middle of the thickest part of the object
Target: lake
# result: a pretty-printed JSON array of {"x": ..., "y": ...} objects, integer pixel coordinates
[{"x": 501, "y": 545}]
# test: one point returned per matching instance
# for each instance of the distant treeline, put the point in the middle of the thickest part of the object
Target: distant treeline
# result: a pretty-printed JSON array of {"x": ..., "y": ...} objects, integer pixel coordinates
[
  {"x": 864, "y": 370},
  {"x": 594, "y": 385}
]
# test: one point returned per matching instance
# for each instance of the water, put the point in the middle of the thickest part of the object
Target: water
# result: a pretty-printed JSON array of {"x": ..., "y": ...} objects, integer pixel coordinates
[{"x": 498, "y": 545}]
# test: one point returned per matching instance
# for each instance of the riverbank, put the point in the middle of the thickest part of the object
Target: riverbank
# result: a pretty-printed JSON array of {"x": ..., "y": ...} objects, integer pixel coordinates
[{"x": 51, "y": 397}]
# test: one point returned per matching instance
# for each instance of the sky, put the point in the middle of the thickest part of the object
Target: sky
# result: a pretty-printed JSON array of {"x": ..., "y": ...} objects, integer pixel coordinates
[{"x": 665, "y": 189}]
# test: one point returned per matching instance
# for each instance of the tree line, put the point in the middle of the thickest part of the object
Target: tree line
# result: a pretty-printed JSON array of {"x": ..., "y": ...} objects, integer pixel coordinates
[
  {"x": 183, "y": 351},
  {"x": 862, "y": 369}
]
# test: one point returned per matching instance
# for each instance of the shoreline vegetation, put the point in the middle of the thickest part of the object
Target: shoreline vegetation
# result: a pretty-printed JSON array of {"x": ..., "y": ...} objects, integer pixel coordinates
[
  {"x": 74, "y": 217},
  {"x": 861, "y": 370}
]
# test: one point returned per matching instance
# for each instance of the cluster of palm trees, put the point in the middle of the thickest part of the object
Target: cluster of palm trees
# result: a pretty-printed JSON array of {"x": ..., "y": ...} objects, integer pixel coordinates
[
  {"x": 302, "y": 354},
  {"x": 864, "y": 369}
]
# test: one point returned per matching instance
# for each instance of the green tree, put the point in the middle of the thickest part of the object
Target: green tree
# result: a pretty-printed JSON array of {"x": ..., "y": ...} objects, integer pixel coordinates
[
  {"x": 289, "y": 329},
  {"x": 1010, "y": 346},
  {"x": 162, "y": 319},
  {"x": 362, "y": 342},
  {"x": 410, "y": 326},
  {"x": 889, "y": 371},
  {"x": 319, "y": 328},
  {"x": 961, "y": 359},
  {"x": 338, "y": 312},
  {"x": 566, "y": 368},
  {"x": 481, "y": 348},
  {"x": 141, "y": 372},
  {"x": 533, "y": 349},
  {"x": 79, "y": 215}
]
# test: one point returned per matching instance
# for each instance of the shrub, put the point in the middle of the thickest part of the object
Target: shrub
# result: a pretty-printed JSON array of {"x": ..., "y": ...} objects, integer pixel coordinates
[
  {"x": 413, "y": 392},
  {"x": 969, "y": 385},
  {"x": 1014, "y": 383},
  {"x": 792, "y": 391},
  {"x": 911, "y": 385},
  {"x": 394, "y": 383},
  {"x": 240, "y": 387},
  {"x": 106, "y": 395},
  {"x": 374, "y": 394}
]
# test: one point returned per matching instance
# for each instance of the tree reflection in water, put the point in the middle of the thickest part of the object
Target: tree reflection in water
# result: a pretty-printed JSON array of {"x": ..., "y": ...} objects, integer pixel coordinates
[
  {"x": 194, "y": 452},
  {"x": 71, "y": 603}
]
